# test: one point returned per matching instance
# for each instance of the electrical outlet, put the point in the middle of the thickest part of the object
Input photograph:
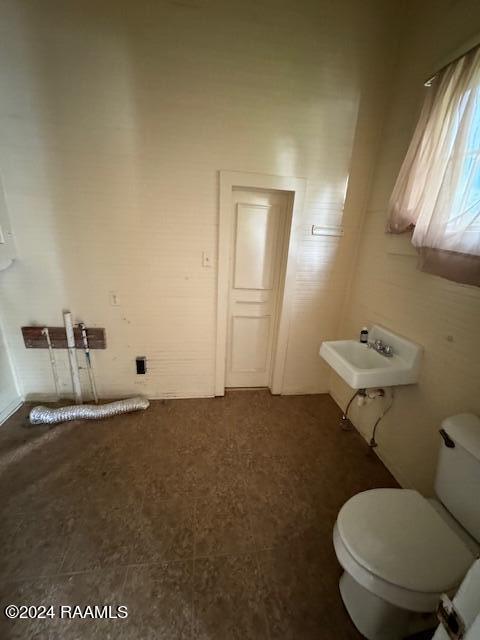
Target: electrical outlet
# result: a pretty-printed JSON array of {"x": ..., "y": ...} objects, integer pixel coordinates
[
  {"x": 206, "y": 259},
  {"x": 141, "y": 364}
]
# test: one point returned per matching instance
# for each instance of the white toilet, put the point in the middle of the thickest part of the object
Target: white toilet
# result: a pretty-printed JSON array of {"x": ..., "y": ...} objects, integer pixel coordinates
[{"x": 400, "y": 551}]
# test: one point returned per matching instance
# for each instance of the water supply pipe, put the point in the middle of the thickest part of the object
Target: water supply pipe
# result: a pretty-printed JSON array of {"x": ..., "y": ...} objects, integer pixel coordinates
[
  {"x": 53, "y": 363},
  {"x": 86, "y": 349},
  {"x": 72, "y": 356}
]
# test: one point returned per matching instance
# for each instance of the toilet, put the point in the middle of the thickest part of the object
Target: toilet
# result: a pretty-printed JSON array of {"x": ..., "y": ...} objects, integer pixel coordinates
[{"x": 400, "y": 551}]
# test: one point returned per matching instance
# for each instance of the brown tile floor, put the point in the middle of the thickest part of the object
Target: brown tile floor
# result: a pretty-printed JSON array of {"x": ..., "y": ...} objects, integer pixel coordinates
[{"x": 210, "y": 519}]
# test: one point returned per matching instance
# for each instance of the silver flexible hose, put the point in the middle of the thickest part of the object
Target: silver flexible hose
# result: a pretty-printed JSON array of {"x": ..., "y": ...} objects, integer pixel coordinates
[{"x": 46, "y": 415}]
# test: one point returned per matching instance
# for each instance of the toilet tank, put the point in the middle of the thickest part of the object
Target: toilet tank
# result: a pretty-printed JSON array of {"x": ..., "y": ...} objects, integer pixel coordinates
[{"x": 457, "y": 483}]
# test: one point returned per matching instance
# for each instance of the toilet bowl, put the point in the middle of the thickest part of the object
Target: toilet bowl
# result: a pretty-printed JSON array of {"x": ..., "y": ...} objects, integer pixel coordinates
[
  {"x": 400, "y": 552},
  {"x": 399, "y": 556}
]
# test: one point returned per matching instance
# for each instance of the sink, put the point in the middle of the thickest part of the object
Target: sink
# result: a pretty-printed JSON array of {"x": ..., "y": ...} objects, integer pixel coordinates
[{"x": 362, "y": 367}]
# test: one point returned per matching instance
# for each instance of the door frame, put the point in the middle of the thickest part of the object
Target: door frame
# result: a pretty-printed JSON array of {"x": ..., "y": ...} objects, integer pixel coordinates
[{"x": 295, "y": 187}]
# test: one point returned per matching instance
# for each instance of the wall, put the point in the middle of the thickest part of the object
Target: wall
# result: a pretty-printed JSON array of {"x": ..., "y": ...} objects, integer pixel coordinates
[
  {"x": 115, "y": 119},
  {"x": 9, "y": 397},
  {"x": 387, "y": 288},
  {"x": 7, "y": 244}
]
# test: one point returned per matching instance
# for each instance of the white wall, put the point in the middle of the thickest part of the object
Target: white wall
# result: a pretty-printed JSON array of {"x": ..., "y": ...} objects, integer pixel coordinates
[
  {"x": 9, "y": 397},
  {"x": 388, "y": 289},
  {"x": 114, "y": 121}
]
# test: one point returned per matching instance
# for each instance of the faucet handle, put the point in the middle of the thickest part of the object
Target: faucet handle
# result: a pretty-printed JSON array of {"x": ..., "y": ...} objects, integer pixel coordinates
[{"x": 388, "y": 350}]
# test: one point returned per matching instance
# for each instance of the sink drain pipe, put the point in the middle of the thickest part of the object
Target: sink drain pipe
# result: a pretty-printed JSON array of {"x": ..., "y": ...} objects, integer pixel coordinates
[
  {"x": 373, "y": 443},
  {"x": 345, "y": 423}
]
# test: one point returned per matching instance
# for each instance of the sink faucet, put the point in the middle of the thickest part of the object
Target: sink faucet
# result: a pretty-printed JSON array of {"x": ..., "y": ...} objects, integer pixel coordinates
[{"x": 381, "y": 348}]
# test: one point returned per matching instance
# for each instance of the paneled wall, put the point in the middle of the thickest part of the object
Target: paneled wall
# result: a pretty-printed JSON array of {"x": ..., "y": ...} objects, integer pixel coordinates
[
  {"x": 115, "y": 119},
  {"x": 388, "y": 289},
  {"x": 9, "y": 396}
]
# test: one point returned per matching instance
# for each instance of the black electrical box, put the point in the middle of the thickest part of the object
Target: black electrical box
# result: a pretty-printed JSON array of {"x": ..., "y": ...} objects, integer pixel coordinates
[{"x": 141, "y": 362}]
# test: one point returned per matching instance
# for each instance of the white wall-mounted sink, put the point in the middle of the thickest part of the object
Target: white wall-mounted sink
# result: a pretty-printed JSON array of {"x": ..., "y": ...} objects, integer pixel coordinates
[{"x": 362, "y": 367}]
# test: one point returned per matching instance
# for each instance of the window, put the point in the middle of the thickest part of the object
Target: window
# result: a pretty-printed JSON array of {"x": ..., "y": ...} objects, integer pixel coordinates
[
  {"x": 466, "y": 202},
  {"x": 437, "y": 193}
]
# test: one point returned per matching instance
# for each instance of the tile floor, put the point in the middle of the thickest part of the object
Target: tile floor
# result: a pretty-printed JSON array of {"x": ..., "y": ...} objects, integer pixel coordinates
[{"x": 210, "y": 519}]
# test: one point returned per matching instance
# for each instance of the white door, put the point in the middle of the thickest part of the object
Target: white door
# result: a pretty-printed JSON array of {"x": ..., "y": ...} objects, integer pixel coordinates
[{"x": 256, "y": 274}]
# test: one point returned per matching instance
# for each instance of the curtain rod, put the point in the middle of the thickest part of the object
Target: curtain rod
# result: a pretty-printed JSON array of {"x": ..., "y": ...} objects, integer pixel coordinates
[{"x": 460, "y": 52}]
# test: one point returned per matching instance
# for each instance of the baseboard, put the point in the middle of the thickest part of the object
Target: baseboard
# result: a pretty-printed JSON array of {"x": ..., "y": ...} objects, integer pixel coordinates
[
  {"x": 10, "y": 409},
  {"x": 337, "y": 400},
  {"x": 65, "y": 400},
  {"x": 396, "y": 473},
  {"x": 303, "y": 391},
  {"x": 180, "y": 396},
  {"x": 45, "y": 397}
]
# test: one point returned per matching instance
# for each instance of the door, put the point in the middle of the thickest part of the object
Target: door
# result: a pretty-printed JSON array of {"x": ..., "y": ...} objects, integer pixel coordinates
[{"x": 257, "y": 266}]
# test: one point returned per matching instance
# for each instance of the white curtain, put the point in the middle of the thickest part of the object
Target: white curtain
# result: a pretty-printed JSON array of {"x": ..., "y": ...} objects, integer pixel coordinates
[{"x": 437, "y": 193}]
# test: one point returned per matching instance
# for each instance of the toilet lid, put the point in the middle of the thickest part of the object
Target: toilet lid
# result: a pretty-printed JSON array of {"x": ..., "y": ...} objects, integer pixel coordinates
[{"x": 398, "y": 536}]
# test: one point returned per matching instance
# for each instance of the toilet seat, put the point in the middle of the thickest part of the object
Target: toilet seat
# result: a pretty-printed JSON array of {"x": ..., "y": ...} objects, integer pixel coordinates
[{"x": 394, "y": 543}]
